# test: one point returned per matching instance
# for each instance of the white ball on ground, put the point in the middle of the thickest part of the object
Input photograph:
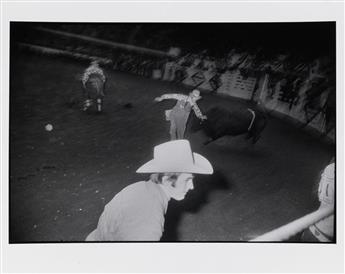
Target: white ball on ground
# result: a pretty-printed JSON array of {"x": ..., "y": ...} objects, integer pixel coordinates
[{"x": 49, "y": 127}]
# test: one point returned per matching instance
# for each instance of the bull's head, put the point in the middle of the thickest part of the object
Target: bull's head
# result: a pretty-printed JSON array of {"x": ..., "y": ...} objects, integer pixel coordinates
[{"x": 195, "y": 124}]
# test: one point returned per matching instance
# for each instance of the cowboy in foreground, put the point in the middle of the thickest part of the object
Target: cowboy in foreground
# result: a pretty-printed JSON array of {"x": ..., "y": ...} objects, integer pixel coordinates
[
  {"x": 137, "y": 212},
  {"x": 179, "y": 114}
]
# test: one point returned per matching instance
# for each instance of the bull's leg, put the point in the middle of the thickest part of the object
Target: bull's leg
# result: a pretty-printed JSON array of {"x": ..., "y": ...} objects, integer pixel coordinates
[
  {"x": 208, "y": 141},
  {"x": 256, "y": 138},
  {"x": 215, "y": 137},
  {"x": 258, "y": 130},
  {"x": 211, "y": 139},
  {"x": 249, "y": 135}
]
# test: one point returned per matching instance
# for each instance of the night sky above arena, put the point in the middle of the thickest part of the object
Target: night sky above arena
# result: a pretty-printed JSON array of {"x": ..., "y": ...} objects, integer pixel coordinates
[
  {"x": 318, "y": 38},
  {"x": 306, "y": 39}
]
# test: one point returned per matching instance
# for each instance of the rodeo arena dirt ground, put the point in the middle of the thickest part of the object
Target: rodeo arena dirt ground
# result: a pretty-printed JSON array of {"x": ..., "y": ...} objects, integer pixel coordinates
[{"x": 61, "y": 179}]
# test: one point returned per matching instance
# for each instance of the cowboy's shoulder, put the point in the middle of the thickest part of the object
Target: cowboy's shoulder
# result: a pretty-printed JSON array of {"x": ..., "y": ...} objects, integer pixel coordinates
[{"x": 136, "y": 185}]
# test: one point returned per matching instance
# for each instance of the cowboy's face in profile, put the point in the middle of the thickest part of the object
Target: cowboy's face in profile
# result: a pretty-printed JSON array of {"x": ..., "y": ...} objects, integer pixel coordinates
[
  {"x": 179, "y": 188},
  {"x": 176, "y": 163}
]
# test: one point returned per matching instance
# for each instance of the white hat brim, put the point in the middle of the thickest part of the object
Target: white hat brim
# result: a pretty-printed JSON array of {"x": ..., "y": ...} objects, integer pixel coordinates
[{"x": 200, "y": 166}]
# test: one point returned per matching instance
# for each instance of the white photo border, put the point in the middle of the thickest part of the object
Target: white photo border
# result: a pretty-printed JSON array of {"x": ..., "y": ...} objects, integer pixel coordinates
[{"x": 171, "y": 257}]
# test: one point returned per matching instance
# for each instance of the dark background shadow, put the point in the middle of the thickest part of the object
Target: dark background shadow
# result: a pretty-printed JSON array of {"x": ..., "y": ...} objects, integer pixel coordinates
[{"x": 194, "y": 201}]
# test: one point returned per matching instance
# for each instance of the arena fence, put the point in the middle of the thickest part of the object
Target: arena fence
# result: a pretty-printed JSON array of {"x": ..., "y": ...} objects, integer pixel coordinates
[
  {"x": 289, "y": 230},
  {"x": 59, "y": 52},
  {"x": 105, "y": 42}
]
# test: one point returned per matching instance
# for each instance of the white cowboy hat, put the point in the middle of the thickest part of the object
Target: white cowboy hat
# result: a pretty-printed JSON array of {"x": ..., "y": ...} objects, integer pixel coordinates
[{"x": 176, "y": 156}]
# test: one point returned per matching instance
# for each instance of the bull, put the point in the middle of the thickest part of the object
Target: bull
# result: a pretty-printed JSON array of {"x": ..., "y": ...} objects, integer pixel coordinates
[{"x": 231, "y": 122}]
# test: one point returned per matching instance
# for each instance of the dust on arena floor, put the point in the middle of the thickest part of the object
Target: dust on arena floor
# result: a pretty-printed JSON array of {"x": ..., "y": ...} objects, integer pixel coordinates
[{"x": 60, "y": 180}]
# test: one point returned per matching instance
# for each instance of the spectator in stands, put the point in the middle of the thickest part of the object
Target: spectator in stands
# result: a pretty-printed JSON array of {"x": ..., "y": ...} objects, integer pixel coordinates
[
  {"x": 323, "y": 231},
  {"x": 137, "y": 212},
  {"x": 93, "y": 81},
  {"x": 179, "y": 114}
]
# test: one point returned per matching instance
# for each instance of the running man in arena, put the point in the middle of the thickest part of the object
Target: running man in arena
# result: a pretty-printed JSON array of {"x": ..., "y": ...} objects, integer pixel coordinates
[
  {"x": 93, "y": 81},
  {"x": 137, "y": 213},
  {"x": 179, "y": 114},
  {"x": 323, "y": 231}
]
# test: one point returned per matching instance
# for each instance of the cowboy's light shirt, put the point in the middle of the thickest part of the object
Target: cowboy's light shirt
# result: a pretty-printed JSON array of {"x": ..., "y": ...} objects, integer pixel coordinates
[
  {"x": 135, "y": 214},
  {"x": 92, "y": 70}
]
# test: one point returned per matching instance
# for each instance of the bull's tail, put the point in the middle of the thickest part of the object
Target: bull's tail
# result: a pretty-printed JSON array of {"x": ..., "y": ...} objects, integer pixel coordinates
[
  {"x": 258, "y": 123},
  {"x": 252, "y": 120}
]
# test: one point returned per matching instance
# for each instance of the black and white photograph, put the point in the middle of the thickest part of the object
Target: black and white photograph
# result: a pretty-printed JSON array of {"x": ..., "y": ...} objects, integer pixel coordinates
[
  {"x": 90, "y": 104},
  {"x": 144, "y": 132}
]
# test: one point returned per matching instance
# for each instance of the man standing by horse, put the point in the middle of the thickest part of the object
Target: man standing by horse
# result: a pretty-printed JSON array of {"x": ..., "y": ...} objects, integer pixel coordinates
[
  {"x": 93, "y": 81},
  {"x": 179, "y": 114}
]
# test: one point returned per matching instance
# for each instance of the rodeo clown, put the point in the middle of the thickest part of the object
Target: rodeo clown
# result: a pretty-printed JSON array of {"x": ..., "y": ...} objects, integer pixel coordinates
[
  {"x": 137, "y": 213},
  {"x": 93, "y": 81},
  {"x": 179, "y": 114}
]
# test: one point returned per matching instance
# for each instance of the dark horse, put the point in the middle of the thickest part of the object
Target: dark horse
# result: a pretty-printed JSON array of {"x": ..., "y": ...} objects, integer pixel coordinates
[{"x": 222, "y": 121}]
